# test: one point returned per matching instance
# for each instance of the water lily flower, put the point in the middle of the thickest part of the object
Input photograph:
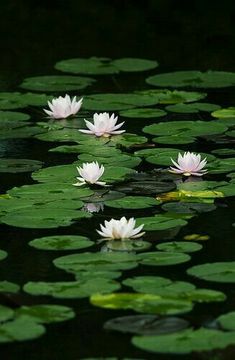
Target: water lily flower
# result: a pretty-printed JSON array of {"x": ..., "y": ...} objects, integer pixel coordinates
[
  {"x": 90, "y": 173},
  {"x": 104, "y": 125},
  {"x": 189, "y": 164},
  {"x": 63, "y": 107},
  {"x": 120, "y": 229}
]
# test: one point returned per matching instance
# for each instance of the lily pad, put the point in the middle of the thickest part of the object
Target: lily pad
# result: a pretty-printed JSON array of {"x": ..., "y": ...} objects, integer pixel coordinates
[
  {"x": 132, "y": 202},
  {"x": 143, "y": 303},
  {"x": 16, "y": 100},
  {"x": 192, "y": 108},
  {"x": 160, "y": 222},
  {"x": 143, "y": 113},
  {"x": 224, "y": 113},
  {"x": 146, "y": 324},
  {"x": 61, "y": 242},
  {"x": 8, "y": 287},
  {"x": 134, "y": 64},
  {"x": 71, "y": 289},
  {"x": 20, "y": 329},
  {"x": 19, "y": 165},
  {"x": 223, "y": 272},
  {"x": 227, "y": 321},
  {"x": 195, "y": 79},
  {"x": 89, "y": 66},
  {"x": 3, "y": 254},
  {"x": 46, "y": 314},
  {"x": 5, "y": 313},
  {"x": 98, "y": 261},
  {"x": 179, "y": 246},
  {"x": 159, "y": 258},
  {"x": 166, "y": 96},
  {"x": 128, "y": 245},
  {"x": 56, "y": 83},
  {"x": 185, "y": 342}
]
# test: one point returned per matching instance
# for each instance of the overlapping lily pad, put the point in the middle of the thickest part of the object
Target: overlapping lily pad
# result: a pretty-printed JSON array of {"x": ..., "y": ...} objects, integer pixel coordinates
[
  {"x": 71, "y": 289},
  {"x": 195, "y": 79},
  {"x": 52, "y": 83},
  {"x": 102, "y": 66},
  {"x": 143, "y": 303}
]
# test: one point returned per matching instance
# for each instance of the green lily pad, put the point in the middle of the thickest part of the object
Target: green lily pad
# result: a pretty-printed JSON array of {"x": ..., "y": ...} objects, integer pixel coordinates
[
  {"x": 159, "y": 258},
  {"x": 196, "y": 79},
  {"x": 132, "y": 202},
  {"x": 183, "y": 207},
  {"x": 143, "y": 303},
  {"x": 36, "y": 218},
  {"x": 134, "y": 64},
  {"x": 62, "y": 135},
  {"x": 12, "y": 119},
  {"x": 166, "y": 96},
  {"x": 223, "y": 272},
  {"x": 121, "y": 160},
  {"x": 179, "y": 246},
  {"x": 19, "y": 165},
  {"x": 146, "y": 324},
  {"x": 192, "y": 108},
  {"x": 61, "y": 242},
  {"x": 22, "y": 132},
  {"x": 46, "y": 314},
  {"x": 71, "y": 289},
  {"x": 5, "y": 313},
  {"x": 96, "y": 261},
  {"x": 16, "y": 100},
  {"x": 224, "y": 113},
  {"x": 160, "y": 222},
  {"x": 117, "y": 101},
  {"x": 143, "y": 113},
  {"x": 90, "y": 66},
  {"x": 8, "y": 287},
  {"x": 227, "y": 321},
  {"x": 127, "y": 245},
  {"x": 3, "y": 254},
  {"x": 56, "y": 83},
  {"x": 20, "y": 329},
  {"x": 223, "y": 152},
  {"x": 185, "y": 342}
]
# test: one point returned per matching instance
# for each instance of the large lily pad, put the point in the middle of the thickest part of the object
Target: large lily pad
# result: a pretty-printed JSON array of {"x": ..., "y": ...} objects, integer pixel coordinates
[
  {"x": 71, "y": 289},
  {"x": 160, "y": 222},
  {"x": 61, "y": 242},
  {"x": 143, "y": 303},
  {"x": 195, "y": 79},
  {"x": 56, "y": 83},
  {"x": 20, "y": 329},
  {"x": 16, "y": 100},
  {"x": 46, "y": 314},
  {"x": 223, "y": 272},
  {"x": 185, "y": 342},
  {"x": 192, "y": 108}
]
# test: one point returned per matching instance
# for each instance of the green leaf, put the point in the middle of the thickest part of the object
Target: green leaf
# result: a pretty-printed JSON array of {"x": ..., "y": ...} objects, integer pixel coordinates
[
  {"x": 192, "y": 108},
  {"x": 160, "y": 222},
  {"x": 19, "y": 165},
  {"x": 224, "y": 113},
  {"x": 5, "y": 314},
  {"x": 16, "y": 100},
  {"x": 96, "y": 261},
  {"x": 132, "y": 202},
  {"x": 20, "y": 329},
  {"x": 185, "y": 342},
  {"x": 3, "y": 254},
  {"x": 143, "y": 303},
  {"x": 159, "y": 258},
  {"x": 71, "y": 289},
  {"x": 127, "y": 245},
  {"x": 46, "y": 314},
  {"x": 179, "y": 246},
  {"x": 134, "y": 64},
  {"x": 227, "y": 321},
  {"x": 143, "y": 113},
  {"x": 56, "y": 83},
  {"x": 61, "y": 242},
  {"x": 195, "y": 79},
  {"x": 223, "y": 272},
  {"x": 8, "y": 287},
  {"x": 166, "y": 96},
  {"x": 91, "y": 66}
]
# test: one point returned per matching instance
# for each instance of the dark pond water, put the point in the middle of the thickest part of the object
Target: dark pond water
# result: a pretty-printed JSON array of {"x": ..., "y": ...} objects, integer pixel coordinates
[{"x": 36, "y": 34}]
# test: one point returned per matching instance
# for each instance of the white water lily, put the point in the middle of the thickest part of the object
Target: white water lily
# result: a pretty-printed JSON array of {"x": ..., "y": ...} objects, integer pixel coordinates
[
  {"x": 120, "y": 229},
  {"x": 90, "y": 173},
  {"x": 104, "y": 125},
  {"x": 189, "y": 164},
  {"x": 63, "y": 107}
]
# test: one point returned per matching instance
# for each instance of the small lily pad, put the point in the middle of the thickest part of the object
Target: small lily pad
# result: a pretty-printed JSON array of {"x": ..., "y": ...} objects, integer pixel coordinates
[
  {"x": 46, "y": 314},
  {"x": 179, "y": 246},
  {"x": 227, "y": 321},
  {"x": 20, "y": 329},
  {"x": 132, "y": 202},
  {"x": 159, "y": 258}
]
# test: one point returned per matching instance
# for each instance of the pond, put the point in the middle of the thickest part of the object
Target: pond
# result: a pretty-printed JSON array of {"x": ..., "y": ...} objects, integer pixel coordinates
[{"x": 117, "y": 211}]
